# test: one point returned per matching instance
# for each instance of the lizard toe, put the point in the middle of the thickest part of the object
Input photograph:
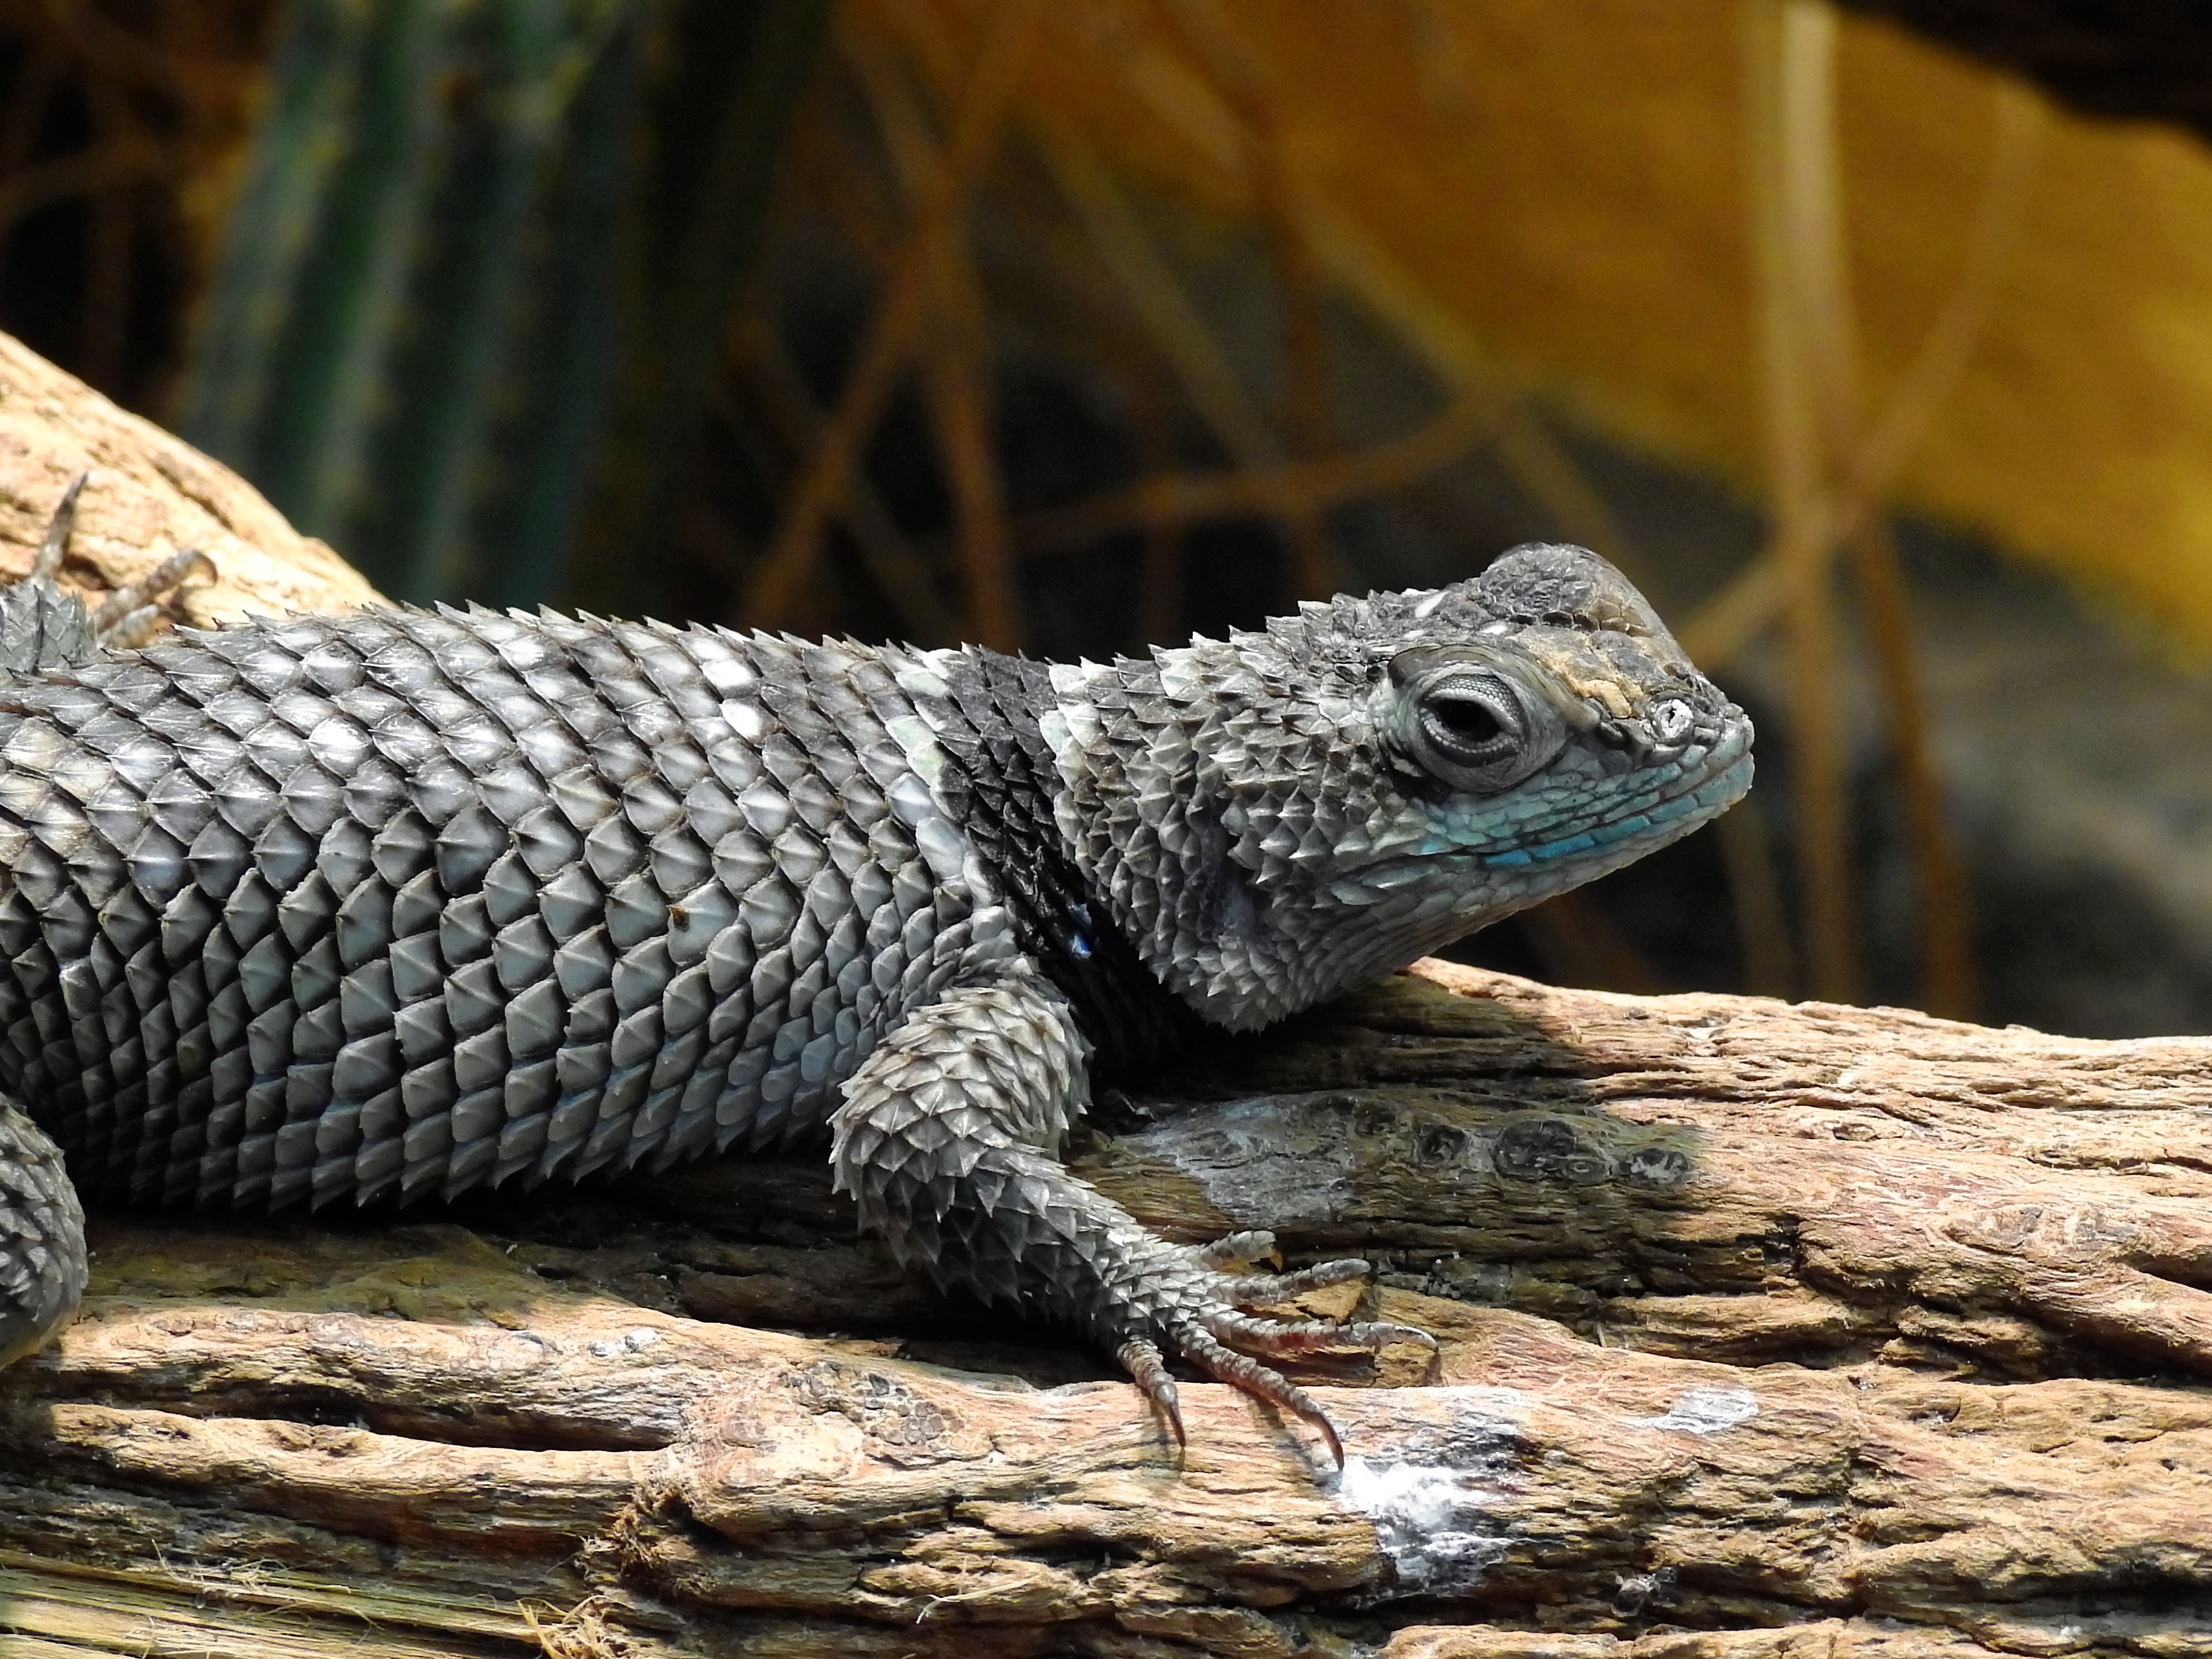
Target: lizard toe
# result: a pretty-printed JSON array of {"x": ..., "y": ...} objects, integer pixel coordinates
[
  {"x": 1287, "y": 1339},
  {"x": 1185, "y": 1304},
  {"x": 1235, "y": 1250},
  {"x": 1261, "y": 1290},
  {"x": 1241, "y": 1372},
  {"x": 1141, "y": 1357}
]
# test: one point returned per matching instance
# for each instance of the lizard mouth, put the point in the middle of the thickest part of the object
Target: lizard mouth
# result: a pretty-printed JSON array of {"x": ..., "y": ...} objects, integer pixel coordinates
[
  {"x": 1700, "y": 797},
  {"x": 1631, "y": 833},
  {"x": 1618, "y": 837}
]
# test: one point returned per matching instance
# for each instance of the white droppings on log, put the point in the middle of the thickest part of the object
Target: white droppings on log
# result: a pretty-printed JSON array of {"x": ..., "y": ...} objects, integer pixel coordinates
[
  {"x": 1704, "y": 1411},
  {"x": 1434, "y": 1505}
]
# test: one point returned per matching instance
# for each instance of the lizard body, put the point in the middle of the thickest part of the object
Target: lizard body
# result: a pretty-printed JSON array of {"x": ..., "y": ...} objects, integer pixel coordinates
[{"x": 397, "y": 904}]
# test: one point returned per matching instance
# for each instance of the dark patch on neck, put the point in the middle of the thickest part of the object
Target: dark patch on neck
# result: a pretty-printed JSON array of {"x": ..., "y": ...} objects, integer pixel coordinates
[{"x": 1001, "y": 787}]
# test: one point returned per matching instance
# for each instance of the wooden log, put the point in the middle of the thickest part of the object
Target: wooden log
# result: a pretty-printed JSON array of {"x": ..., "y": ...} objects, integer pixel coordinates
[
  {"x": 1762, "y": 1326},
  {"x": 1767, "y": 1331},
  {"x": 150, "y": 495}
]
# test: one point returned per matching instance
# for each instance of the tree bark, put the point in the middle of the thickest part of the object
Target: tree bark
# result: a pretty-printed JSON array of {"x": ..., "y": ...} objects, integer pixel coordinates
[{"x": 1767, "y": 1330}]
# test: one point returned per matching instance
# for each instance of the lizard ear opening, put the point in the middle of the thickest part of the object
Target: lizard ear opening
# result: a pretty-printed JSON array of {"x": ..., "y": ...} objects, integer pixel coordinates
[{"x": 1470, "y": 722}]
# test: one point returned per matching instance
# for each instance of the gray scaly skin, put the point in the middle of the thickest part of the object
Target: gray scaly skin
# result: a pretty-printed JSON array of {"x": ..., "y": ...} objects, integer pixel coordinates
[{"x": 398, "y": 904}]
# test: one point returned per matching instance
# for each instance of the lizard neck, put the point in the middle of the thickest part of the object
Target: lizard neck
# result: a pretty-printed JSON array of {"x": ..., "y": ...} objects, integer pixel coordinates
[
  {"x": 1001, "y": 785},
  {"x": 1165, "y": 769}
]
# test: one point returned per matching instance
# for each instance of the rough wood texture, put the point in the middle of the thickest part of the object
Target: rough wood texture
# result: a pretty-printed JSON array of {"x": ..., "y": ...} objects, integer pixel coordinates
[
  {"x": 150, "y": 495},
  {"x": 1767, "y": 1330}
]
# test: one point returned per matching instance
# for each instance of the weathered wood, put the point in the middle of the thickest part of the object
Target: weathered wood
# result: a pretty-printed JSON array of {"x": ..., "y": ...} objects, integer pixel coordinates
[
  {"x": 1766, "y": 1331},
  {"x": 1777, "y": 1325}
]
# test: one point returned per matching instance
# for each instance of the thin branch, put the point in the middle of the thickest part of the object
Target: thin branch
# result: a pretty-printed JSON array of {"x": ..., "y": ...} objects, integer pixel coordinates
[
  {"x": 110, "y": 233},
  {"x": 1946, "y": 915},
  {"x": 1076, "y": 262},
  {"x": 1796, "y": 237},
  {"x": 1371, "y": 273},
  {"x": 1819, "y": 507},
  {"x": 898, "y": 569},
  {"x": 1157, "y": 300},
  {"x": 125, "y": 160},
  {"x": 1946, "y": 922},
  {"x": 1732, "y": 618},
  {"x": 1805, "y": 324},
  {"x": 825, "y": 175},
  {"x": 117, "y": 54},
  {"x": 1181, "y": 498},
  {"x": 909, "y": 284},
  {"x": 2020, "y": 120},
  {"x": 957, "y": 378},
  {"x": 1726, "y": 624},
  {"x": 956, "y": 361},
  {"x": 1164, "y": 592},
  {"x": 1354, "y": 261},
  {"x": 1237, "y": 77},
  {"x": 1315, "y": 570}
]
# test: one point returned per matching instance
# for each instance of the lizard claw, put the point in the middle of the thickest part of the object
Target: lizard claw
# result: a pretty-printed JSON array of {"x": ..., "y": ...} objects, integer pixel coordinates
[
  {"x": 1234, "y": 1250},
  {"x": 1198, "y": 1308},
  {"x": 46, "y": 563},
  {"x": 1225, "y": 1364},
  {"x": 1140, "y": 1358},
  {"x": 130, "y": 615}
]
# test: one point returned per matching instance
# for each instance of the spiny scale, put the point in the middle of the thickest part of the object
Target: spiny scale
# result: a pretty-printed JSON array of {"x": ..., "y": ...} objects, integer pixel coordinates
[{"x": 404, "y": 902}]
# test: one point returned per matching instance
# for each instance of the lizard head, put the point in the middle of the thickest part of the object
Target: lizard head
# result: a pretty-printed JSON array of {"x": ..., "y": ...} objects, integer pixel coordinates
[{"x": 1279, "y": 817}]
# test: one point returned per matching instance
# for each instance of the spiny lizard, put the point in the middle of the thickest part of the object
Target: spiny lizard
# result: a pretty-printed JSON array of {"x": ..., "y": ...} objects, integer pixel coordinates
[{"x": 392, "y": 905}]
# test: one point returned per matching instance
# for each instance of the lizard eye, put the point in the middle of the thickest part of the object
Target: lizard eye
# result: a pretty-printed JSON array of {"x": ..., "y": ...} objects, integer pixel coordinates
[
  {"x": 1474, "y": 720},
  {"x": 1471, "y": 726}
]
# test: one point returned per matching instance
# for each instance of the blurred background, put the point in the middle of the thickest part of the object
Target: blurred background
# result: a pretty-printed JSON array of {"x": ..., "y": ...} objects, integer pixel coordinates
[{"x": 1875, "y": 343}]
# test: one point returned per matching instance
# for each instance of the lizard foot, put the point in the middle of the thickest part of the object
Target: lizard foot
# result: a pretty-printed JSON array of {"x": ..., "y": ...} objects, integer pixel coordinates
[
  {"x": 129, "y": 616},
  {"x": 947, "y": 1139},
  {"x": 1191, "y": 1299},
  {"x": 42, "y": 626}
]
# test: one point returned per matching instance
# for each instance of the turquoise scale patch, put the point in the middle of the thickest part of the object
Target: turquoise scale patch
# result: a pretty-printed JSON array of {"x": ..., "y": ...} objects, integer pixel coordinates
[{"x": 1555, "y": 849}]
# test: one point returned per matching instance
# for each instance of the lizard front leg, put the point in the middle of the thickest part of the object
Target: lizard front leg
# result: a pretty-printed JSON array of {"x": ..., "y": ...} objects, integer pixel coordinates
[
  {"x": 949, "y": 1138},
  {"x": 42, "y": 1255}
]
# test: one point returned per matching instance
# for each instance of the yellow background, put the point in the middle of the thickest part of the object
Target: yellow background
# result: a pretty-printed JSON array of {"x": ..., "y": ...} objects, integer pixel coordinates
[{"x": 1568, "y": 181}]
